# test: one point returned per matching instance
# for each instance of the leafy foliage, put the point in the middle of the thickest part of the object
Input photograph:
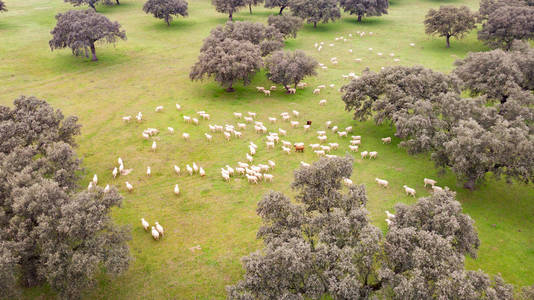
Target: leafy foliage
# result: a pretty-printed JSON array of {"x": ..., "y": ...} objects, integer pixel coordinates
[
  {"x": 489, "y": 6},
  {"x": 50, "y": 233},
  {"x": 506, "y": 24},
  {"x": 228, "y": 6},
  {"x": 289, "y": 68},
  {"x": 323, "y": 245},
  {"x": 81, "y": 29},
  {"x": 228, "y": 61},
  {"x": 165, "y": 9},
  {"x": 463, "y": 134},
  {"x": 449, "y": 21},
  {"x": 288, "y": 26},
  {"x": 266, "y": 37},
  {"x": 314, "y": 11},
  {"x": 363, "y": 8},
  {"x": 277, "y": 3}
]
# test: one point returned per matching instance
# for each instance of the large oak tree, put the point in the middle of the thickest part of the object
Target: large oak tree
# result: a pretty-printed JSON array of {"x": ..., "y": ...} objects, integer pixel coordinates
[
  {"x": 288, "y": 26},
  {"x": 81, "y": 29},
  {"x": 506, "y": 24},
  {"x": 50, "y": 232},
  {"x": 323, "y": 245},
  {"x": 449, "y": 21},
  {"x": 165, "y": 9},
  {"x": 289, "y": 68},
  {"x": 228, "y": 61},
  {"x": 277, "y": 3},
  {"x": 228, "y": 6}
]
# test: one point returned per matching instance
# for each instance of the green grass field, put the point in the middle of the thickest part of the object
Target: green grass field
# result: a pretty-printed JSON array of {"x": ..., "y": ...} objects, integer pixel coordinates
[{"x": 152, "y": 68}]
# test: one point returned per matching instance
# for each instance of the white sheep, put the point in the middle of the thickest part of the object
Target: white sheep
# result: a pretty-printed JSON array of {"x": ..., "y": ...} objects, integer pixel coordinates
[
  {"x": 347, "y": 181},
  {"x": 272, "y": 120},
  {"x": 386, "y": 140},
  {"x": 95, "y": 179},
  {"x": 106, "y": 189},
  {"x": 148, "y": 171},
  {"x": 328, "y": 124},
  {"x": 189, "y": 170},
  {"x": 154, "y": 146},
  {"x": 334, "y": 146},
  {"x": 294, "y": 124},
  {"x": 373, "y": 154},
  {"x": 195, "y": 121},
  {"x": 177, "y": 170},
  {"x": 428, "y": 181},
  {"x": 389, "y": 215},
  {"x": 296, "y": 113},
  {"x": 342, "y": 133},
  {"x": 208, "y": 137},
  {"x": 129, "y": 186},
  {"x": 271, "y": 164},
  {"x": 382, "y": 182},
  {"x": 127, "y": 119},
  {"x": 155, "y": 233},
  {"x": 364, "y": 154},
  {"x": 322, "y": 138},
  {"x": 176, "y": 190},
  {"x": 159, "y": 108},
  {"x": 139, "y": 117},
  {"x": 315, "y": 146},
  {"x": 268, "y": 177},
  {"x": 356, "y": 137},
  {"x": 322, "y": 102},
  {"x": 409, "y": 191},
  {"x": 306, "y": 127},
  {"x": 389, "y": 222},
  {"x": 90, "y": 186},
  {"x": 145, "y": 135},
  {"x": 353, "y": 148},
  {"x": 270, "y": 145},
  {"x": 187, "y": 119},
  {"x": 195, "y": 167},
  {"x": 260, "y": 89},
  {"x": 303, "y": 164},
  {"x": 250, "y": 158},
  {"x": 282, "y": 131},
  {"x": 227, "y": 135},
  {"x": 334, "y": 129},
  {"x": 201, "y": 172},
  {"x": 286, "y": 149},
  {"x": 319, "y": 152},
  {"x": 159, "y": 228},
  {"x": 436, "y": 188},
  {"x": 355, "y": 142},
  {"x": 316, "y": 91},
  {"x": 145, "y": 224},
  {"x": 267, "y": 92}
]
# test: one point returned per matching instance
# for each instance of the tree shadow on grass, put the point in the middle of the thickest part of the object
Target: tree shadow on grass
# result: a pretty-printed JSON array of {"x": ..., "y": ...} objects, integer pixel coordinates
[
  {"x": 111, "y": 9},
  {"x": 368, "y": 21},
  {"x": 64, "y": 62},
  {"x": 176, "y": 24}
]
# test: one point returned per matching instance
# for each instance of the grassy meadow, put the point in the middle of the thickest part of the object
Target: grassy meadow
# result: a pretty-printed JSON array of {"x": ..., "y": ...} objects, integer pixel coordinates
[{"x": 152, "y": 68}]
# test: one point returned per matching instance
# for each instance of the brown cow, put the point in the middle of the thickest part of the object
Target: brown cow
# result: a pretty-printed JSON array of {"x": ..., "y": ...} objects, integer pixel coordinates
[{"x": 299, "y": 148}]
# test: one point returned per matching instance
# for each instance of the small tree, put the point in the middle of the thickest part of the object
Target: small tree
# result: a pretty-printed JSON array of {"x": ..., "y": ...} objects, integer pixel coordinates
[
  {"x": 51, "y": 233},
  {"x": 165, "y": 9},
  {"x": 81, "y": 29},
  {"x": 2, "y": 6},
  {"x": 289, "y": 68},
  {"x": 507, "y": 24},
  {"x": 449, "y": 21},
  {"x": 251, "y": 3},
  {"x": 228, "y": 62},
  {"x": 287, "y": 25},
  {"x": 228, "y": 6},
  {"x": 314, "y": 11},
  {"x": 277, "y": 3},
  {"x": 363, "y": 8},
  {"x": 91, "y": 3}
]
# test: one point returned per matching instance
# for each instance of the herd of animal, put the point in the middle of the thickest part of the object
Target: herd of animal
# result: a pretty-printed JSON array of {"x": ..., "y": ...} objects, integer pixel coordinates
[{"x": 260, "y": 172}]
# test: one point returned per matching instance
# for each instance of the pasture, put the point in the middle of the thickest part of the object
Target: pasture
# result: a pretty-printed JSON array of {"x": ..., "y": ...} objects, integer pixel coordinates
[{"x": 152, "y": 68}]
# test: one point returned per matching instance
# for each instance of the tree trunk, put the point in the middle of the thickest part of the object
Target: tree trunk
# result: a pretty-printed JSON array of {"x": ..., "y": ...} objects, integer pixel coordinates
[
  {"x": 359, "y": 18},
  {"x": 93, "y": 51},
  {"x": 118, "y": 3},
  {"x": 92, "y": 5},
  {"x": 281, "y": 10},
  {"x": 469, "y": 184},
  {"x": 448, "y": 41},
  {"x": 314, "y": 24},
  {"x": 231, "y": 17},
  {"x": 230, "y": 89},
  {"x": 167, "y": 21},
  {"x": 250, "y": 7}
]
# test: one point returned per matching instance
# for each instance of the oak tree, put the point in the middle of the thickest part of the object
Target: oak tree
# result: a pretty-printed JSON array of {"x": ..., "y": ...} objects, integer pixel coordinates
[
  {"x": 363, "y": 8},
  {"x": 289, "y": 68},
  {"x": 449, "y": 21},
  {"x": 288, "y": 26},
  {"x": 165, "y": 9},
  {"x": 81, "y": 29},
  {"x": 228, "y": 6},
  {"x": 506, "y": 24}
]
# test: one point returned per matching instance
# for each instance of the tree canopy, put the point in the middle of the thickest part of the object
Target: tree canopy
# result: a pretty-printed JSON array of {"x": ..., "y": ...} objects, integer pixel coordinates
[
  {"x": 506, "y": 24},
  {"x": 464, "y": 135},
  {"x": 323, "y": 245},
  {"x": 288, "y": 26},
  {"x": 165, "y": 9},
  {"x": 228, "y": 6},
  {"x": 277, "y": 3},
  {"x": 81, "y": 29},
  {"x": 289, "y": 68},
  {"x": 228, "y": 61},
  {"x": 50, "y": 232},
  {"x": 315, "y": 11},
  {"x": 363, "y": 8},
  {"x": 267, "y": 38},
  {"x": 449, "y": 21},
  {"x": 489, "y": 6}
]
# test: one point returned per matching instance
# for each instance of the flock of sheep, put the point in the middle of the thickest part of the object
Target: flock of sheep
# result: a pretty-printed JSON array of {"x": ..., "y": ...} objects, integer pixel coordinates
[{"x": 257, "y": 173}]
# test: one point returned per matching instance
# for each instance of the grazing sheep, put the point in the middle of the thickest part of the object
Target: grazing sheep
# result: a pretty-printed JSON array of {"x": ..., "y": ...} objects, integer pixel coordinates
[
  {"x": 225, "y": 175},
  {"x": 201, "y": 172},
  {"x": 271, "y": 164},
  {"x": 386, "y": 140},
  {"x": 129, "y": 186},
  {"x": 268, "y": 177},
  {"x": 90, "y": 186},
  {"x": 356, "y": 137},
  {"x": 306, "y": 127},
  {"x": 364, "y": 154},
  {"x": 195, "y": 168},
  {"x": 159, "y": 228},
  {"x": 412, "y": 44},
  {"x": 348, "y": 129},
  {"x": 176, "y": 190},
  {"x": 249, "y": 119},
  {"x": 95, "y": 179},
  {"x": 189, "y": 170},
  {"x": 390, "y": 215},
  {"x": 106, "y": 189},
  {"x": 148, "y": 171},
  {"x": 292, "y": 91},
  {"x": 322, "y": 102},
  {"x": 342, "y": 133},
  {"x": 316, "y": 91},
  {"x": 322, "y": 86},
  {"x": 286, "y": 117},
  {"x": 252, "y": 114},
  {"x": 286, "y": 149},
  {"x": 373, "y": 154},
  {"x": 334, "y": 129},
  {"x": 238, "y": 115},
  {"x": 242, "y": 165},
  {"x": 260, "y": 89},
  {"x": 273, "y": 88},
  {"x": 353, "y": 148},
  {"x": 322, "y": 138},
  {"x": 145, "y": 224},
  {"x": 326, "y": 149},
  {"x": 241, "y": 126},
  {"x": 272, "y": 120},
  {"x": 145, "y": 136},
  {"x": 303, "y": 164},
  {"x": 187, "y": 119},
  {"x": 155, "y": 233},
  {"x": 178, "y": 106},
  {"x": 389, "y": 222},
  {"x": 208, "y": 137},
  {"x": 252, "y": 150},
  {"x": 270, "y": 145},
  {"x": 177, "y": 170},
  {"x": 328, "y": 124},
  {"x": 334, "y": 146},
  {"x": 409, "y": 191},
  {"x": 347, "y": 181},
  {"x": 227, "y": 135},
  {"x": 267, "y": 93},
  {"x": 185, "y": 136},
  {"x": 321, "y": 132},
  {"x": 382, "y": 182},
  {"x": 230, "y": 170},
  {"x": 127, "y": 119},
  {"x": 315, "y": 146},
  {"x": 195, "y": 121},
  {"x": 250, "y": 158},
  {"x": 252, "y": 179},
  {"x": 294, "y": 124},
  {"x": 428, "y": 181},
  {"x": 355, "y": 142},
  {"x": 296, "y": 113},
  {"x": 121, "y": 169},
  {"x": 319, "y": 153},
  {"x": 159, "y": 108},
  {"x": 282, "y": 132},
  {"x": 171, "y": 130},
  {"x": 436, "y": 188},
  {"x": 139, "y": 117},
  {"x": 154, "y": 146}
]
